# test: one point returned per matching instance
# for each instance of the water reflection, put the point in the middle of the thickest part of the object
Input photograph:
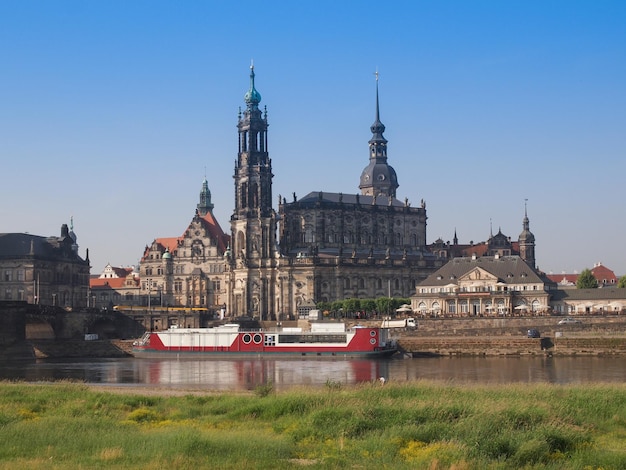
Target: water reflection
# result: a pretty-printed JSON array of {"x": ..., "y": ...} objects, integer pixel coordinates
[{"x": 246, "y": 374}]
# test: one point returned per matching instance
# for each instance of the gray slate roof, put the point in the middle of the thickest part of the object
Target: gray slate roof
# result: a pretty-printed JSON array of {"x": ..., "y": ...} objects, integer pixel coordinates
[
  {"x": 320, "y": 196},
  {"x": 606, "y": 293},
  {"x": 20, "y": 245},
  {"x": 508, "y": 269}
]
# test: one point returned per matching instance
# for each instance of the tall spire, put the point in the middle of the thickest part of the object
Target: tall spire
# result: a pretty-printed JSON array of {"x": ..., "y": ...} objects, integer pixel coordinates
[
  {"x": 527, "y": 239},
  {"x": 378, "y": 143},
  {"x": 378, "y": 178}
]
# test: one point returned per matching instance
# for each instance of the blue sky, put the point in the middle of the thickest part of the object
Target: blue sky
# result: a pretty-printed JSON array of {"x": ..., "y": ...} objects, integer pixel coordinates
[{"x": 110, "y": 111}]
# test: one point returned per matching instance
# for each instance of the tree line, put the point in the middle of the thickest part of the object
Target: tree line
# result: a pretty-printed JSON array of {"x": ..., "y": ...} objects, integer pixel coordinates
[{"x": 351, "y": 307}]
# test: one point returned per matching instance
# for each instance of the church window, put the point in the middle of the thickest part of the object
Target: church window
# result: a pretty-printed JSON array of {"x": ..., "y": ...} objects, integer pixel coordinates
[
  {"x": 244, "y": 195},
  {"x": 361, "y": 283},
  {"x": 397, "y": 284},
  {"x": 379, "y": 283},
  {"x": 254, "y": 190},
  {"x": 309, "y": 236},
  {"x": 346, "y": 283}
]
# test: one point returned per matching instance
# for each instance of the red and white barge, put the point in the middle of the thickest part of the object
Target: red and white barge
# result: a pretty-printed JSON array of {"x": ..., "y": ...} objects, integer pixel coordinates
[{"x": 231, "y": 340}]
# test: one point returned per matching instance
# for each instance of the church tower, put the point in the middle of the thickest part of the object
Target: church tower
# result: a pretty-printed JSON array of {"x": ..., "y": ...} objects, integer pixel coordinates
[
  {"x": 527, "y": 241},
  {"x": 253, "y": 223},
  {"x": 205, "y": 205},
  {"x": 378, "y": 178}
]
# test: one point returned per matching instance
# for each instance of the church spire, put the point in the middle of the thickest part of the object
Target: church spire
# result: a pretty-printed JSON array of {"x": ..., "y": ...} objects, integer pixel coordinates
[
  {"x": 527, "y": 239},
  {"x": 252, "y": 96},
  {"x": 378, "y": 143},
  {"x": 378, "y": 178}
]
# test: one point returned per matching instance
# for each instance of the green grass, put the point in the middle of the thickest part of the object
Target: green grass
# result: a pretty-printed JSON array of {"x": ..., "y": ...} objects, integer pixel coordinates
[{"x": 417, "y": 425}]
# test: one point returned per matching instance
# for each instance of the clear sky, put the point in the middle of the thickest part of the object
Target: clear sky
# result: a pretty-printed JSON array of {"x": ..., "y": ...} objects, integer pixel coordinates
[{"x": 110, "y": 112}]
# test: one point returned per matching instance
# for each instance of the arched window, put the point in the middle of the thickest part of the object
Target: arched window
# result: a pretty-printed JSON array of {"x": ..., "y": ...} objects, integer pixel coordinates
[{"x": 309, "y": 235}]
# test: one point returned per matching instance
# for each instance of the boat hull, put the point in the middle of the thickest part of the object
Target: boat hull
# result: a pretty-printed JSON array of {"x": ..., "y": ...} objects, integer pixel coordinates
[{"x": 230, "y": 341}]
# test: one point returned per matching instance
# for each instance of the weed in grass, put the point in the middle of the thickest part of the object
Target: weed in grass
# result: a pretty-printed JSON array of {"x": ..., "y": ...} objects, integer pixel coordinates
[
  {"x": 332, "y": 385},
  {"x": 264, "y": 389},
  {"x": 143, "y": 415}
]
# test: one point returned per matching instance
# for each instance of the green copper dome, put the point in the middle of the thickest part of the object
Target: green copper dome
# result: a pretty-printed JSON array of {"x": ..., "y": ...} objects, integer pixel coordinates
[{"x": 252, "y": 96}]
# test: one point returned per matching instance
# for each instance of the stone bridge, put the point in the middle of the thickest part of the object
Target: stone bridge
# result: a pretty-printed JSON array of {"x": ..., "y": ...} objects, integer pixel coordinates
[{"x": 23, "y": 321}]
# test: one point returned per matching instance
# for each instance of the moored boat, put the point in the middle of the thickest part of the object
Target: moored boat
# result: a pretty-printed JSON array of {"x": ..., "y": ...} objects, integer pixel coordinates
[{"x": 231, "y": 339}]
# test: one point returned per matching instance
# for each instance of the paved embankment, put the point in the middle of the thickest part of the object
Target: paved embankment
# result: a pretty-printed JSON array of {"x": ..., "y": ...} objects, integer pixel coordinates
[{"x": 507, "y": 336}]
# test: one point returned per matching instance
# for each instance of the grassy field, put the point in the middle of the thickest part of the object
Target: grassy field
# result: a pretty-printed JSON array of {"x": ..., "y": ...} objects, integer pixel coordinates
[{"x": 409, "y": 426}]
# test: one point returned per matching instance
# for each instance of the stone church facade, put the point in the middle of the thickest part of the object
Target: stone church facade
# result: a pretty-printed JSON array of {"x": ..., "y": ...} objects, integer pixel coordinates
[{"x": 331, "y": 246}]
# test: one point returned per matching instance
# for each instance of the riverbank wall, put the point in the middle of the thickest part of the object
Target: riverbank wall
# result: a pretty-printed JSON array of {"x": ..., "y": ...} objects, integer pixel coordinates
[{"x": 595, "y": 335}]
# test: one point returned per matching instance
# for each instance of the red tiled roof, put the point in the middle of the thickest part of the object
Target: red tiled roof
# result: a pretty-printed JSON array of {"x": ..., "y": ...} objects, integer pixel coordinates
[
  {"x": 110, "y": 283},
  {"x": 216, "y": 231},
  {"x": 604, "y": 274},
  {"x": 600, "y": 272},
  {"x": 563, "y": 278},
  {"x": 212, "y": 227}
]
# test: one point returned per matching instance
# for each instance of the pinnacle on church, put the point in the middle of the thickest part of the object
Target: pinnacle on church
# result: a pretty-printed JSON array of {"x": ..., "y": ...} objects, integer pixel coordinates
[
  {"x": 252, "y": 96},
  {"x": 377, "y": 131},
  {"x": 205, "y": 205}
]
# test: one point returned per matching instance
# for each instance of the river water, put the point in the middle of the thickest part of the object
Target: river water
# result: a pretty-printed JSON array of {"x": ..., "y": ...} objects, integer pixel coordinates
[{"x": 247, "y": 374}]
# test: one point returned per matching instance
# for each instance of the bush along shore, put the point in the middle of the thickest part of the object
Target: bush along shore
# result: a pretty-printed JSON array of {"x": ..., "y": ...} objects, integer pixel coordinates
[{"x": 416, "y": 425}]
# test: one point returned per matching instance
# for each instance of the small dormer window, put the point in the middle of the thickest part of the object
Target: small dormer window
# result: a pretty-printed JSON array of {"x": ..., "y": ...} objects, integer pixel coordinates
[{"x": 440, "y": 277}]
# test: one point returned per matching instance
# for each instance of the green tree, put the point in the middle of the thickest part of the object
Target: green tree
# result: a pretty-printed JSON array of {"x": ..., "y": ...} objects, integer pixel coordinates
[
  {"x": 586, "y": 280},
  {"x": 351, "y": 305},
  {"x": 622, "y": 282},
  {"x": 369, "y": 305},
  {"x": 383, "y": 305},
  {"x": 337, "y": 306},
  {"x": 324, "y": 306}
]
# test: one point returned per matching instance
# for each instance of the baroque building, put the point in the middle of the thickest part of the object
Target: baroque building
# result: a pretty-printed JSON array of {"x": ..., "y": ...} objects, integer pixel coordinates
[
  {"x": 332, "y": 245},
  {"x": 44, "y": 270},
  {"x": 324, "y": 246},
  {"x": 483, "y": 286},
  {"x": 189, "y": 270}
]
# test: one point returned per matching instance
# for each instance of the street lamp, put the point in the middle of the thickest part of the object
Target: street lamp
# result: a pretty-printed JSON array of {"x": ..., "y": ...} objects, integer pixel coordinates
[{"x": 149, "y": 293}]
